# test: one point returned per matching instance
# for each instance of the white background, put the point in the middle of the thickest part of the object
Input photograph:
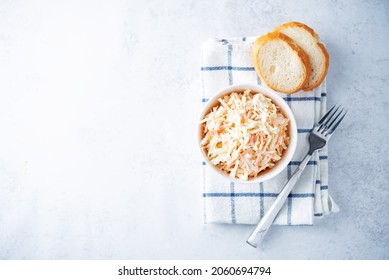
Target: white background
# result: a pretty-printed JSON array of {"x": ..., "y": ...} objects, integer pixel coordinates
[{"x": 98, "y": 108}]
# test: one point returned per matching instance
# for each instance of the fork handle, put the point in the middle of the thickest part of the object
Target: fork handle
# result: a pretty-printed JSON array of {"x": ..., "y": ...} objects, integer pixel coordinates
[{"x": 260, "y": 231}]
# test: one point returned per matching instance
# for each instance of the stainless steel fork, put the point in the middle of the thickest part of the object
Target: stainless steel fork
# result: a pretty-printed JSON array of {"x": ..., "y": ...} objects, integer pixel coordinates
[{"x": 318, "y": 138}]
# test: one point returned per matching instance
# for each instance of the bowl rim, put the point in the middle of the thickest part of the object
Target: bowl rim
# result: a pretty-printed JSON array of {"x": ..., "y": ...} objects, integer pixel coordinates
[{"x": 278, "y": 100}]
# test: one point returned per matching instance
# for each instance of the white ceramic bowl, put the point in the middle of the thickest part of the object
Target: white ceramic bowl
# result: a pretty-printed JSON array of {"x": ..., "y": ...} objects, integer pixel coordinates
[{"x": 288, "y": 153}]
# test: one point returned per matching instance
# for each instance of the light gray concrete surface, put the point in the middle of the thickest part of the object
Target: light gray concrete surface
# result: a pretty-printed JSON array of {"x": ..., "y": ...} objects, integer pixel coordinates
[{"x": 98, "y": 108}]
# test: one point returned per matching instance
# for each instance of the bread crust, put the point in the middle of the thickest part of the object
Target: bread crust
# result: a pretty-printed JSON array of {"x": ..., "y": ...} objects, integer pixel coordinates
[
  {"x": 320, "y": 45},
  {"x": 298, "y": 24},
  {"x": 302, "y": 55},
  {"x": 326, "y": 66}
]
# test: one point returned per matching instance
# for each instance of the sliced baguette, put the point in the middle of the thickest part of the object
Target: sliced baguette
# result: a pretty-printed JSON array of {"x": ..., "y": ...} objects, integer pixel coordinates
[
  {"x": 281, "y": 64},
  {"x": 308, "y": 40}
]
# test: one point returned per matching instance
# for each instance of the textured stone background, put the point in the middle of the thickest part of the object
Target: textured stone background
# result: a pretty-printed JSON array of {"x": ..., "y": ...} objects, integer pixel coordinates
[{"x": 98, "y": 109}]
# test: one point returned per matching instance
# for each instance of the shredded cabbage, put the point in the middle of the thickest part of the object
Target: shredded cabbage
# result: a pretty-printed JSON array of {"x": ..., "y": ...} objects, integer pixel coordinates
[{"x": 245, "y": 134}]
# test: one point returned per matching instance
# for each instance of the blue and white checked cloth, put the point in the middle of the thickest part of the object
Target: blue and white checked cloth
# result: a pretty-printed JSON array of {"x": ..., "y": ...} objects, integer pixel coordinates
[{"x": 226, "y": 62}]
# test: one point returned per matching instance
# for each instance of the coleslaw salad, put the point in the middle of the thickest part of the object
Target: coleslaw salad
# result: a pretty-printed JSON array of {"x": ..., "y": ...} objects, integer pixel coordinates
[{"x": 245, "y": 134}]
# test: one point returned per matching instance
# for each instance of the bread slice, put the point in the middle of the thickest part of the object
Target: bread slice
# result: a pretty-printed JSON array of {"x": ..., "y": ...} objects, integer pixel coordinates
[
  {"x": 308, "y": 40},
  {"x": 282, "y": 65}
]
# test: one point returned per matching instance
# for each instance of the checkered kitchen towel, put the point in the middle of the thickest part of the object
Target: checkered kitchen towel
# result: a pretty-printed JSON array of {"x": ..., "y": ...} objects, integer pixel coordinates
[{"x": 226, "y": 62}]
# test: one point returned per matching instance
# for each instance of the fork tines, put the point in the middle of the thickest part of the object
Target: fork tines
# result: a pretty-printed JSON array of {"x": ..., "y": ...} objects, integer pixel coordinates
[{"x": 330, "y": 121}]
